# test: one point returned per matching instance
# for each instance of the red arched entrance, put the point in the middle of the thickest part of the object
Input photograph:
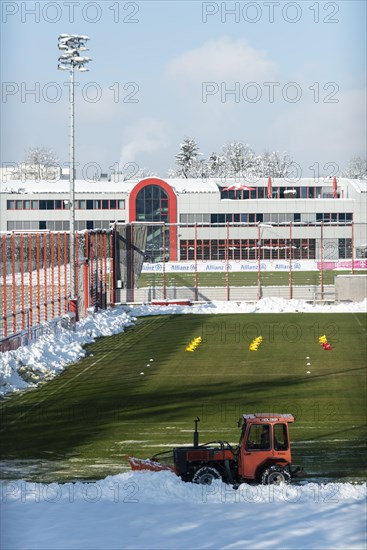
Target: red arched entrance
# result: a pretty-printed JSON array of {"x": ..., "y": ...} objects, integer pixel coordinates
[{"x": 172, "y": 209}]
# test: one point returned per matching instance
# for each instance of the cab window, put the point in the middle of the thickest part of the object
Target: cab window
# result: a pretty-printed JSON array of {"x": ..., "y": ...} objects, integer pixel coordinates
[
  {"x": 259, "y": 437},
  {"x": 280, "y": 437}
]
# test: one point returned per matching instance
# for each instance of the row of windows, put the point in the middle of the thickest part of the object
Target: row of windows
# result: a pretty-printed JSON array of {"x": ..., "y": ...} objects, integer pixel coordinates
[
  {"x": 247, "y": 249},
  {"x": 88, "y": 204},
  {"x": 59, "y": 225},
  {"x": 340, "y": 218},
  {"x": 271, "y": 249},
  {"x": 312, "y": 192}
]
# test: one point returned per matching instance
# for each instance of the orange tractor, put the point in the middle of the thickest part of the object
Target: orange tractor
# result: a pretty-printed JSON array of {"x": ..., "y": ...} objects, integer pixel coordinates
[{"x": 262, "y": 455}]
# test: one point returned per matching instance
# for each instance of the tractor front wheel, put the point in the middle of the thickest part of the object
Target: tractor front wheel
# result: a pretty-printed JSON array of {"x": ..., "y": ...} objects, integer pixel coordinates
[
  {"x": 275, "y": 476},
  {"x": 206, "y": 475}
]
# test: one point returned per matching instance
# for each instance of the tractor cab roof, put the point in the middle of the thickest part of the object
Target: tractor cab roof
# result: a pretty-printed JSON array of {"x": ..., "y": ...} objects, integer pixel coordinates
[{"x": 258, "y": 418}]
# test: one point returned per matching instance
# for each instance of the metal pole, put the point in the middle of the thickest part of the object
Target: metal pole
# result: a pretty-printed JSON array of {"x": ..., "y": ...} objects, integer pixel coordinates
[
  {"x": 73, "y": 291},
  {"x": 290, "y": 263},
  {"x": 322, "y": 262},
  {"x": 5, "y": 313},
  {"x": 196, "y": 263},
  {"x": 227, "y": 261},
  {"x": 164, "y": 261},
  {"x": 352, "y": 247},
  {"x": 258, "y": 264}
]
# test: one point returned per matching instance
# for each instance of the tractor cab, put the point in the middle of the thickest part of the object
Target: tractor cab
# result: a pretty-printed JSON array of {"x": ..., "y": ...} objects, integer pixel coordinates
[{"x": 264, "y": 443}]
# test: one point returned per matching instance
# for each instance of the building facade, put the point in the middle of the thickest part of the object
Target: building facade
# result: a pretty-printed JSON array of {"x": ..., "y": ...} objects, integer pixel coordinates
[{"x": 206, "y": 220}]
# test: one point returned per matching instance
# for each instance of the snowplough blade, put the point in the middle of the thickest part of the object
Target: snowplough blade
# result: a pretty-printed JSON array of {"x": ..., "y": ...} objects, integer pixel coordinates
[{"x": 148, "y": 464}]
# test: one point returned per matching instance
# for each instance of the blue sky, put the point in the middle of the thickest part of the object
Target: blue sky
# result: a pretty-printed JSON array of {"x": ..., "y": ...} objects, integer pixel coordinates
[{"x": 164, "y": 70}]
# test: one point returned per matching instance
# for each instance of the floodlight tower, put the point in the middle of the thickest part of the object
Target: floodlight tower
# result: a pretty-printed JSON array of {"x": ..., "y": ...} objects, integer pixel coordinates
[{"x": 71, "y": 46}]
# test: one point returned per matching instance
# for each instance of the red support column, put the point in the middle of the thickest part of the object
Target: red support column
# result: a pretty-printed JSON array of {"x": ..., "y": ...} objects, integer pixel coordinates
[
  {"x": 258, "y": 263},
  {"x": 77, "y": 264},
  {"x": 322, "y": 262},
  {"x": 105, "y": 270},
  {"x": 52, "y": 275},
  {"x": 352, "y": 247},
  {"x": 13, "y": 290},
  {"x": 65, "y": 275},
  {"x": 30, "y": 271},
  {"x": 91, "y": 270},
  {"x": 86, "y": 275},
  {"x": 112, "y": 267},
  {"x": 45, "y": 275},
  {"x": 227, "y": 263},
  {"x": 290, "y": 263},
  {"x": 5, "y": 319},
  {"x": 38, "y": 278},
  {"x": 164, "y": 260},
  {"x": 101, "y": 270},
  {"x": 21, "y": 244},
  {"x": 131, "y": 263},
  {"x": 59, "y": 274},
  {"x": 196, "y": 263}
]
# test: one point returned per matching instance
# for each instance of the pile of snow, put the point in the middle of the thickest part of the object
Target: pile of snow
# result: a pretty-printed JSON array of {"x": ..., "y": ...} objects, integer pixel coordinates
[
  {"x": 156, "y": 510},
  {"x": 265, "y": 305},
  {"x": 44, "y": 359}
]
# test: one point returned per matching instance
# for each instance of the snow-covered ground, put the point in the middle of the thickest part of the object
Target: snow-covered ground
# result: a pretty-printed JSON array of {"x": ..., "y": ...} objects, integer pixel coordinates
[
  {"x": 146, "y": 510},
  {"x": 156, "y": 510}
]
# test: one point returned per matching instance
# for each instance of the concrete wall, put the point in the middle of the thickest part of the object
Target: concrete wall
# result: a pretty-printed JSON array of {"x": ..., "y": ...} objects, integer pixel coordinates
[{"x": 350, "y": 288}]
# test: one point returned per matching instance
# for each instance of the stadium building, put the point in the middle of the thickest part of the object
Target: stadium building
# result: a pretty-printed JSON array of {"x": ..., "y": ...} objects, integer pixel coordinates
[{"x": 208, "y": 220}]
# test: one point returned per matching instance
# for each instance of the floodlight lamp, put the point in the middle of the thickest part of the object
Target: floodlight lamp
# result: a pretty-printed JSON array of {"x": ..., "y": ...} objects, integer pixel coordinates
[
  {"x": 83, "y": 69},
  {"x": 62, "y": 67},
  {"x": 63, "y": 47}
]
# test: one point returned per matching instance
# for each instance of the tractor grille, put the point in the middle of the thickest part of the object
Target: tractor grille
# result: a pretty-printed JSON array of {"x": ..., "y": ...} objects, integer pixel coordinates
[{"x": 193, "y": 456}]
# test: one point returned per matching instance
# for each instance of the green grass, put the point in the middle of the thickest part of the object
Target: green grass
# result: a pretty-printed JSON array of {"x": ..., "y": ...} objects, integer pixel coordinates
[
  {"x": 268, "y": 278},
  {"x": 84, "y": 423}
]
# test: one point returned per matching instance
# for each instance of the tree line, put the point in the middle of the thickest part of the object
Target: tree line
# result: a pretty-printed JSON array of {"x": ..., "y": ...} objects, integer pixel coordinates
[{"x": 235, "y": 159}]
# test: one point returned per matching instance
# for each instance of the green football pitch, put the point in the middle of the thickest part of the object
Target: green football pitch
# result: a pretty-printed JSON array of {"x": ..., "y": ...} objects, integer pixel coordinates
[
  {"x": 243, "y": 278},
  {"x": 138, "y": 393}
]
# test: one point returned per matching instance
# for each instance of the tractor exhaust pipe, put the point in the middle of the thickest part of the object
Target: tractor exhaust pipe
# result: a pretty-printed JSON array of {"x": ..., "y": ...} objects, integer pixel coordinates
[{"x": 196, "y": 433}]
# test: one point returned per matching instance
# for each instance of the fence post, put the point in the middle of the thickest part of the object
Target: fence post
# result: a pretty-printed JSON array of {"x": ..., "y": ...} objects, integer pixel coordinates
[
  {"x": 196, "y": 262},
  {"x": 21, "y": 244},
  {"x": 290, "y": 263},
  {"x": 5, "y": 330},
  {"x": 227, "y": 261},
  {"x": 13, "y": 291},
  {"x": 45, "y": 275},
  {"x": 30, "y": 270},
  {"x": 164, "y": 260}
]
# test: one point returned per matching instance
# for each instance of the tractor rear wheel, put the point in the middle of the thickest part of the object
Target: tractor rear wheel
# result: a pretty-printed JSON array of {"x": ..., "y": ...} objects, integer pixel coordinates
[
  {"x": 275, "y": 475},
  {"x": 206, "y": 475}
]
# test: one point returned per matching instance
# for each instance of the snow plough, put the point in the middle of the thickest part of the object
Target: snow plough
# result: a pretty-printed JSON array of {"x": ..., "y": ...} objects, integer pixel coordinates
[{"x": 263, "y": 455}]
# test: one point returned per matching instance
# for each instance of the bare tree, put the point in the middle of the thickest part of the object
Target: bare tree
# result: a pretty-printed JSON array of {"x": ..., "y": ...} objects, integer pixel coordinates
[
  {"x": 357, "y": 169},
  {"x": 39, "y": 163}
]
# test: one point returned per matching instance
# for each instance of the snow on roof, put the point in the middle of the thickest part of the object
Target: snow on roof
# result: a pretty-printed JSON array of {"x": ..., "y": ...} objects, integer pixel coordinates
[
  {"x": 179, "y": 185},
  {"x": 61, "y": 186},
  {"x": 359, "y": 185}
]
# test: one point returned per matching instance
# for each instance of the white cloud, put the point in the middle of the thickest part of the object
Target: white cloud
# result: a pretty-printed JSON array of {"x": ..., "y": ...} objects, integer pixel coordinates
[
  {"x": 223, "y": 59},
  {"x": 147, "y": 136}
]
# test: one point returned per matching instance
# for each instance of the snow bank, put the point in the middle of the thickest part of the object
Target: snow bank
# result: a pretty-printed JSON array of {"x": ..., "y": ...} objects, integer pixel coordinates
[
  {"x": 29, "y": 365},
  {"x": 44, "y": 359},
  {"x": 265, "y": 305},
  {"x": 151, "y": 510}
]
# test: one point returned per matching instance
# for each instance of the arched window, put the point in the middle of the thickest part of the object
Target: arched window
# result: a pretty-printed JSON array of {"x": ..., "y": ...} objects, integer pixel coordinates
[{"x": 152, "y": 206}]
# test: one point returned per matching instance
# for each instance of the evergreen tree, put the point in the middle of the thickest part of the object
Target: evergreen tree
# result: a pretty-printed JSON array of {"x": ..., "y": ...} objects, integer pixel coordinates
[{"x": 187, "y": 160}]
